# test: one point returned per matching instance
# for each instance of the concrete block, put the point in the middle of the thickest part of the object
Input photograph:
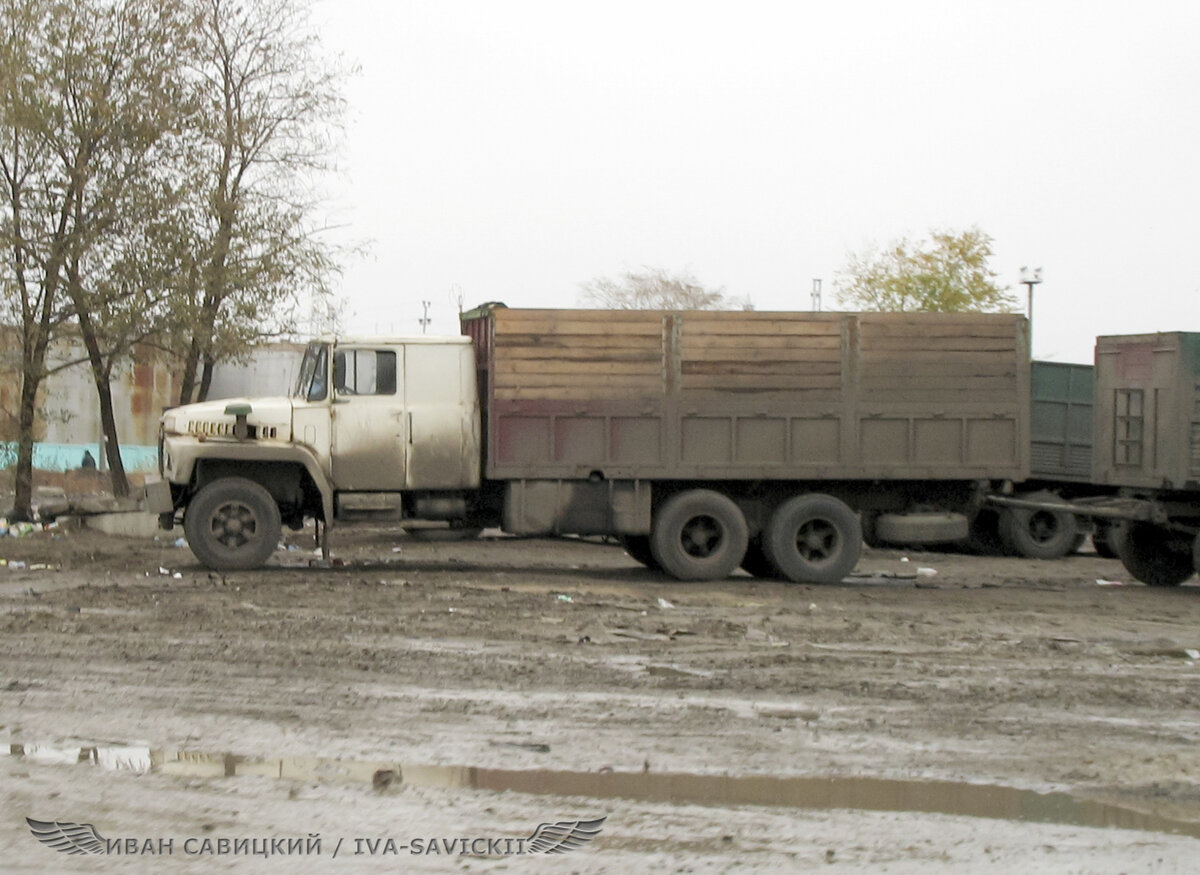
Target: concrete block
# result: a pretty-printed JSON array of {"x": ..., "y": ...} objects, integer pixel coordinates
[{"x": 126, "y": 525}]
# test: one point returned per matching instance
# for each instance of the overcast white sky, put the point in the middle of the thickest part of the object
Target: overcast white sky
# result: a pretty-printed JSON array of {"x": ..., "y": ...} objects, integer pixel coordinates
[{"x": 517, "y": 149}]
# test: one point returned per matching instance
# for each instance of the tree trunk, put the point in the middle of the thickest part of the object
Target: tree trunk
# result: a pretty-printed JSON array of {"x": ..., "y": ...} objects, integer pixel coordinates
[
  {"x": 22, "y": 509},
  {"x": 112, "y": 446},
  {"x": 101, "y": 374},
  {"x": 187, "y": 381},
  {"x": 206, "y": 376}
]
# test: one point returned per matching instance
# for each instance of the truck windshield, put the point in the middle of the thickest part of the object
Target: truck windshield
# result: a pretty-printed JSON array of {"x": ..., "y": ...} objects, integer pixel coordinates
[{"x": 312, "y": 384}]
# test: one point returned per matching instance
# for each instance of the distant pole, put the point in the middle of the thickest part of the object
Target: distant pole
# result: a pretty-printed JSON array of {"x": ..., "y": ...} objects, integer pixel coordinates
[
  {"x": 1030, "y": 278},
  {"x": 424, "y": 320},
  {"x": 816, "y": 296}
]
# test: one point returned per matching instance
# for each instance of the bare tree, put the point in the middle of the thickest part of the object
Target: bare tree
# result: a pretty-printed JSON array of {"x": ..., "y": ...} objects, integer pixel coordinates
[{"x": 654, "y": 288}]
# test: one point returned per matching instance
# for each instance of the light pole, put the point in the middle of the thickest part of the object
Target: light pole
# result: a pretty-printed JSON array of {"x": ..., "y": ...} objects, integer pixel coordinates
[{"x": 1030, "y": 278}]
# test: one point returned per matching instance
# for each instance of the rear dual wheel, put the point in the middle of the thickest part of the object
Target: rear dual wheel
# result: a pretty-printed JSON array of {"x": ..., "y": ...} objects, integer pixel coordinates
[
  {"x": 702, "y": 535},
  {"x": 813, "y": 539},
  {"x": 699, "y": 535}
]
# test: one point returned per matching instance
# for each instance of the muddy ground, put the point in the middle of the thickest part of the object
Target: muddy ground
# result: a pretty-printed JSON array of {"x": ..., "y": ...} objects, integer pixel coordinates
[{"x": 190, "y": 692}]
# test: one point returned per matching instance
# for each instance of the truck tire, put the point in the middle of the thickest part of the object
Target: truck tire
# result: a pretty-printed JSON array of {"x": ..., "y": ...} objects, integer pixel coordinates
[
  {"x": 232, "y": 524},
  {"x": 699, "y": 535},
  {"x": 1150, "y": 554},
  {"x": 756, "y": 564},
  {"x": 638, "y": 548},
  {"x": 813, "y": 539},
  {"x": 1100, "y": 540},
  {"x": 1038, "y": 534}
]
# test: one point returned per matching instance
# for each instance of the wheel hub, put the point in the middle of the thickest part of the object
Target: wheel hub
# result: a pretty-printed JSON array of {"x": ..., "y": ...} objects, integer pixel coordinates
[
  {"x": 701, "y": 536},
  {"x": 234, "y": 524},
  {"x": 816, "y": 540}
]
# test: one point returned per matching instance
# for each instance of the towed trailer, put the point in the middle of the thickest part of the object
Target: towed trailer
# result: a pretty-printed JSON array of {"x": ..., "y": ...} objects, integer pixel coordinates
[{"x": 1145, "y": 456}]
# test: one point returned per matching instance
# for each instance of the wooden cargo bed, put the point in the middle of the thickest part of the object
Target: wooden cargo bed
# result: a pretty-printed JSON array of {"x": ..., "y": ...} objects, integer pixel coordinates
[{"x": 753, "y": 395}]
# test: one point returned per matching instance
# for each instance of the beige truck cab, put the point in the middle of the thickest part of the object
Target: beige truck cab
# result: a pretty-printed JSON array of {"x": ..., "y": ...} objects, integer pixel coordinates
[{"x": 375, "y": 428}]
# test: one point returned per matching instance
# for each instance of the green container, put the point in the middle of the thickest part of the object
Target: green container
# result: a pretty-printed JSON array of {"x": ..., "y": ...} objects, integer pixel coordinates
[{"x": 1061, "y": 421}]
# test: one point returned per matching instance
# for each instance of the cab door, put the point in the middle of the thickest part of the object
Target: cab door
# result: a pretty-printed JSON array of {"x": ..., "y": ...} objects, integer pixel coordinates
[
  {"x": 370, "y": 426},
  {"x": 443, "y": 414}
]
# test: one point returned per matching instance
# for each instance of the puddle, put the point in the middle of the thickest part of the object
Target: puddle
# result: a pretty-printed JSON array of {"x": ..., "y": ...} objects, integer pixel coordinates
[{"x": 864, "y": 794}]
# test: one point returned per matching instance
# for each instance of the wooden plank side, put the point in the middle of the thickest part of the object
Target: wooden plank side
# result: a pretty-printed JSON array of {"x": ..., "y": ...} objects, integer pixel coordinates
[
  {"x": 784, "y": 327},
  {"x": 759, "y": 382},
  {"x": 505, "y": 318},
  {"x": 765, "y": 368},
  {"x": 958, "y": 321},
  {"x": 952, "y": 369},
  {"x": 692, "y": 343},
  {"x": 873, "y": 333},
  {"x": 563, "y": 367},
  {"x": 579, "y": 380},
  {"x": 569, "y": 322},
  {"x": 584, "y": 353},
  {"x": 940, "y": 381},
  {"x": 601, "y": 342},
  {"x": 882, "y": 358},
  {"x": 706, "y": 353},
  {"x": 601, "y": 392}
]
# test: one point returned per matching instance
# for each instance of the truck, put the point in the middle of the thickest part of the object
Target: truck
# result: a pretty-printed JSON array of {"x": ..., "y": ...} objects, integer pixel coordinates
[
  {"x": 702, "y": 440},
  {"x": 1145, "y": 474}
]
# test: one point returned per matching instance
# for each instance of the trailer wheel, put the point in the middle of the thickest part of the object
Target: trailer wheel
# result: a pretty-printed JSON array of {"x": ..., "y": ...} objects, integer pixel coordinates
[
  {"x": 1150, "y": 554},
  {"x": 756, "y": 563},
  {"x": 232, "y": 524},
  {"x": 813, "y": 538},
  {"x": 1038, "y": 534},
  {"x": 699, "y": 535},
  {"x": 1100, "y": 540},
  {"x": 638, "y": 548}
]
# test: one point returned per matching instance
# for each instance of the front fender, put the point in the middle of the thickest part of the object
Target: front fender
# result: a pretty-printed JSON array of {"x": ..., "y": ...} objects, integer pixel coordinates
[{"x": 184, "y": 454}]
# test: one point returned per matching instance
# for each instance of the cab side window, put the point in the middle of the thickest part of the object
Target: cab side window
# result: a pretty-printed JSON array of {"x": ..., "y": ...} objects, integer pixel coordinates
[{"x": 364, "y": 372}]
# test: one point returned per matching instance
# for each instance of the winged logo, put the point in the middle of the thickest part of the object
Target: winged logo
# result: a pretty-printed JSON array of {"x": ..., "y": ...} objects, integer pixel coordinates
[
  {"x": 69, "y": 838},
  {"x": 566, "y": 835}
]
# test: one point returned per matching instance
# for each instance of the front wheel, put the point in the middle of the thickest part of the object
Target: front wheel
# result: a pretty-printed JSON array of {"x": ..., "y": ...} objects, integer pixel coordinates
[
  {"x": 232, "y": 524},
  {"x": 699, "y": 535},
  {"x": 1150, "y": 554},
  {"x": 813, "y": 538}
]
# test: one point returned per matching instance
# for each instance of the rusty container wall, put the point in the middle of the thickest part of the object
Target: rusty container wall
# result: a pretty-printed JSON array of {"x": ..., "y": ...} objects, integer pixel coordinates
[
  {"x": 1061, "y": 422},
  {"x": 1147, "y": 417},
  {"x": 753, "y": 395}
]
